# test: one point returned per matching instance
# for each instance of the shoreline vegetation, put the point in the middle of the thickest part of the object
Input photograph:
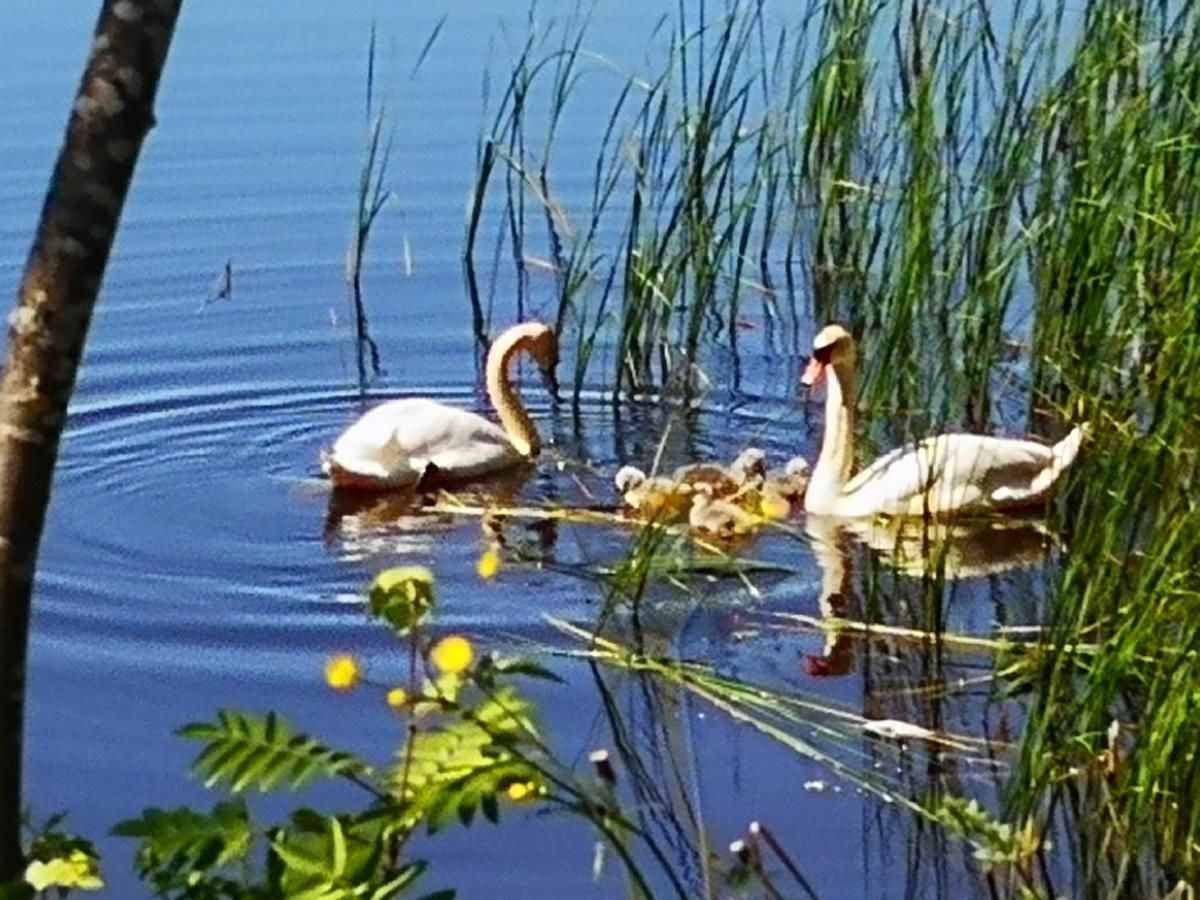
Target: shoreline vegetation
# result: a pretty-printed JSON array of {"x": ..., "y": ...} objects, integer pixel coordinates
[{"x": 999, "y": 199}]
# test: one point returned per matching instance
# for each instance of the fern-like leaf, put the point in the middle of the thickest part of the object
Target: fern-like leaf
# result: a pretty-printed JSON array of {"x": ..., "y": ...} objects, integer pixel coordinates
[
  {"x": 245, "y": 751},
  {"x": 464, "y": 765},
  {"x": 476, "y": 790},
  {"x": 179, "y": 847},
  {"x": 335, "y": 858}
]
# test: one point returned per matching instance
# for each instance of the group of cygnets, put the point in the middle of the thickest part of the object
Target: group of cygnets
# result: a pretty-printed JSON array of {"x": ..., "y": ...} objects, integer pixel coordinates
[{"x": 721, "y": 502}]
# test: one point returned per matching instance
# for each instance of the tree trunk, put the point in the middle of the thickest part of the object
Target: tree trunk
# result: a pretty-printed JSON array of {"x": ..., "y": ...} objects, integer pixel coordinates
[{"x": 112, "y": 113}]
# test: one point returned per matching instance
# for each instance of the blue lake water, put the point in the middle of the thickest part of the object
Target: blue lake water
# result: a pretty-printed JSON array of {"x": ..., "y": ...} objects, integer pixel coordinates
[{"x": 191, "y": 560}]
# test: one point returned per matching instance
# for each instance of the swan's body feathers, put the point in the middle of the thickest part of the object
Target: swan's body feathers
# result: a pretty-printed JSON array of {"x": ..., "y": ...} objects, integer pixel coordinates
[
  {"x": 956, "y": 472},
  {"x": 398, "y": 441}
]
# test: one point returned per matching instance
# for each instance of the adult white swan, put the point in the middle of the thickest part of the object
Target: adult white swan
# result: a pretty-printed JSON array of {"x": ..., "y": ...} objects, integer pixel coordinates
[
  {"x": 399, "y": 442},
  {"x": 950, "y": 473}
]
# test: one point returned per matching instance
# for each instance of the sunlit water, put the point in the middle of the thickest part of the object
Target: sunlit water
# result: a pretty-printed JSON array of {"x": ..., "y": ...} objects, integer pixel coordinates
[{"x": 192, "y": 559}]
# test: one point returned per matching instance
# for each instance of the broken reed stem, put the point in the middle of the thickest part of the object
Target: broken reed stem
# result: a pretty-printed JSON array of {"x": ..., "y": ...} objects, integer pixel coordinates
[
  {"x": 760, "y": 833},
  {"x": 746, "y": 853},
  {"x": 835, "y": 625}
]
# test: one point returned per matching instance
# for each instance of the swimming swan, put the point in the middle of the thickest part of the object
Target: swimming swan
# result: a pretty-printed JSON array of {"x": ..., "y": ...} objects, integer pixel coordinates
[
  {"x": 949, "y": 473},
  {"x": 399, "y": 442}
]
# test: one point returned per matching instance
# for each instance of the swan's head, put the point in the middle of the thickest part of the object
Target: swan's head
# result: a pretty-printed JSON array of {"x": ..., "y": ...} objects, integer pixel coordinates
[
  {"x": 629, "y": 478},
  {"x": 833, "y": 346},
  {"x": 543, "y": 347}
]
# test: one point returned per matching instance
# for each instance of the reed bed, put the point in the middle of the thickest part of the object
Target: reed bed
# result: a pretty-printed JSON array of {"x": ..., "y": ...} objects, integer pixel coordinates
[{"x": 1000, "y": 199}]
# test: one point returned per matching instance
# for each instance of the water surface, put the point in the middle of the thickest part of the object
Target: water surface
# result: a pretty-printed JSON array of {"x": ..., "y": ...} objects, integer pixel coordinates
[{"x": 192, "y": 559}]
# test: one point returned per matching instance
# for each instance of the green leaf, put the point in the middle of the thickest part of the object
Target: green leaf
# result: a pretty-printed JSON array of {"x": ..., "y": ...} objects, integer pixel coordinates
[
  {"x": 335, "y": 858},
  {"x": 528, "y": 668},
  {"x": 338, "y": 841},
  {"x": 180, "y": 847},
  {"x": 994, "y": 841},
  {"x": 467, "y": 763},
  {"x": 491, "y": 809},
  {"x": 50, "y": 841},
  {"x": 262, "y": 751}
]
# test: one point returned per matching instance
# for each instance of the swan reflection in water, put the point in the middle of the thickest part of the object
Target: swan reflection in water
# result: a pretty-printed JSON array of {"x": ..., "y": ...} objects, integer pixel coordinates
[
  {"x": 363, "y": 524},
  {"x": 953, "y": 550}
]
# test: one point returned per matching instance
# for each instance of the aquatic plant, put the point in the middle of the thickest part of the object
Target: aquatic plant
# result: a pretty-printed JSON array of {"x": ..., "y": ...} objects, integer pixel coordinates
[
  {"x": 472, "y": 747},
  {"x": 896, "y": 165},
  {"x": 371, "y": 197}
]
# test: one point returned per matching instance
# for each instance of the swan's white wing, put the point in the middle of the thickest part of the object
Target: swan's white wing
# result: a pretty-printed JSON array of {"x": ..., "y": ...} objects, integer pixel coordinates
[
  {"x": 879, "y": 470},
  {"x": 949, "y": 472},
  {"x": 1057, "y": 460},
  {"x": 891, "y": 483},
  {"x": 407, "y": 435}
]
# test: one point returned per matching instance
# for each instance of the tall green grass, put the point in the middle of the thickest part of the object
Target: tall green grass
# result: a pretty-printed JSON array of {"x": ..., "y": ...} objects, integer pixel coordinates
[
  {"x": 899, "y": 165},
  {"x": 1001, "y": 199},
  {"x": 371, "y": 197}
]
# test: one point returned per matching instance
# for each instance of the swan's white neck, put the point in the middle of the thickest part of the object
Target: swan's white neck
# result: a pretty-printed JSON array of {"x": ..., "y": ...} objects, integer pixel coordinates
[
  {"x": 832, "y": 470},
  {"x": 504, "y": 397}
]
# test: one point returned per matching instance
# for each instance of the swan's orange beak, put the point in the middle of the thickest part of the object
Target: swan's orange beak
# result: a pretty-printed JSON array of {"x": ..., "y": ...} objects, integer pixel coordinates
[{"x": 813, "y": 373}]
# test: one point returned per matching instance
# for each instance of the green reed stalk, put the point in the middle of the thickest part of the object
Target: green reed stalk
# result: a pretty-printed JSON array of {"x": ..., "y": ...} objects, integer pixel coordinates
[{"x": 371, "y": 197}]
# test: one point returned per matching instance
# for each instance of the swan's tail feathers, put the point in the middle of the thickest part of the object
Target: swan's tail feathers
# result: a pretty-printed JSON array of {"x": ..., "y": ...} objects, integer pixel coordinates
[
  {"x": 1065, "y": 451},
  {"x": 1062, "y": 455}
]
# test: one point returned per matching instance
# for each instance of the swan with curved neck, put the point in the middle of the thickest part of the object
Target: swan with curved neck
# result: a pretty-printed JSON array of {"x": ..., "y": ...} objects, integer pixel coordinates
[
  {"x": 947, "y": 474},
  {"x": 400, "y": 442}
]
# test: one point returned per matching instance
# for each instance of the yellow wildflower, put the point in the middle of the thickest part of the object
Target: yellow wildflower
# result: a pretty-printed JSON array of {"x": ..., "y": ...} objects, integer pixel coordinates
[
  {"x": 452, "y": 654},
  {"x": 78, "y": 870},
  {"x": 519, "y": 790},
  {"x": 489, "y": 564},
  {"x": 342, "y": 672},
  {"x": 397, "y": 697}
]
